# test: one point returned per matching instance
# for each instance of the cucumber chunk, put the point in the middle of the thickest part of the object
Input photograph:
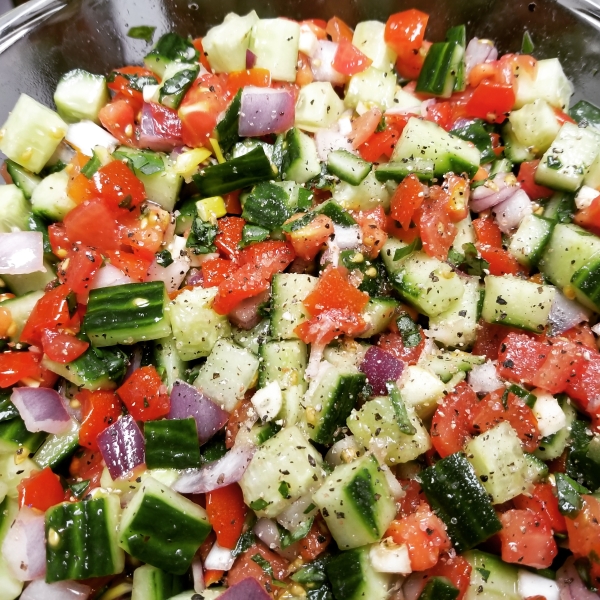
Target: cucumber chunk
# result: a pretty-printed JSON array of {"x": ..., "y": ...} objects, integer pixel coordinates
[
  {"x": 318, "y": 106},
  {"x": 288, "y": 291},
  {"x": 14, "y": 209},
  {"x": 150, "y": 583},
  {"x": 275, "y": 43},
  {"x": 491, "y": 578},
  {"x": 80, "y": 95},
  {"x": 50, "y": 199}
]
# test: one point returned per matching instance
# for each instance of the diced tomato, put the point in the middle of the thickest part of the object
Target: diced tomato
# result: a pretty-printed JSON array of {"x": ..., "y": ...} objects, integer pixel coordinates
[
  {"x": 51, "y": 311},
  {"x": 589, "y": 217},
  {"x": 117, "y": 186},
  {"x": 392, "y": 343},
  {"x": 489, "y": 338},
  {"x": 144, "y": 395},
  {"x": 521, "y": 357},
  {"x": 563, "y": 362},
  {"x": 487, "y": 232},
  {"x": 317, "y": 26},
  {"x": 526, "y": 539},
  {"x": 245, "y": 567},
  {"x": 364, "y": 127},
  {"x": 584, "y": 529},
  {"x": 134, "y": 266},
  {"x": 349, "y": 60},
  {"x": 491, "y": 101},
  {"x": 41, "y": 490},
  {"x": 450, "y": 426},
  {"x": 200, "y": 109},
  {"x": 79, "y": 188},
  {"x": 457, "y": 190},
  {"x": 407, "y": 199},
  {"x": 405, "y": 34},
  {"x": 118, "y": 117},
  {"x": 229, "y": 236},
  {"x": 304, "y": 74},
  {"x": 338, "y": 30},
  {"x": 586, "y": 385},
  {"x": 542, "y": 501},
  {"x": 437, "y": 230},
  {"x": 495, "y": 409},
  {"x": 87, "y": 464},
  {"x": 226, "y": 512},
  {"x": 144, "y": 234},
  {"x": 79, "y": 268},
  {"x": 316, "y": 541},
  {"x": 500, "y": 261},
  {"x": 424, "y": 534},
  {"x": 372, "y": 225},
  {"x": 166, "y": 124},
  {"x": 241, "y": 413},
  {"x": 456, "y": 569},
  {"x": 91, "y": 224},
  {"x": 62, "y": 347},
  {"x": 202, "y": 58},
  {"x": 100, "y": 409},
  {"x": 408, "y": 236},
  {"x": 380, "y": 144},
  {"x": 581, "y": 335},
  {"x": 256, "y": 77},
  {"x": 334, "y": 291},
  {"x": 216, "y": 270},
  {"x": 441, "y": 113},
  {"x": 562, "y": 117},
  {"x": 57, "y": 234},
  {"x": 412, "y": 499},
  {"x": 121, "y": 82},
  {"x": 232, "y": 203},
  {"x": 308, "y": 240},
  {"x": 526, "y": 178},
  {"x": 329, "y": 324}
]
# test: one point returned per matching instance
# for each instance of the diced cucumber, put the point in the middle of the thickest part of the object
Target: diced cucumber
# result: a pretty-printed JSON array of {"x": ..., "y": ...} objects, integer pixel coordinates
[
  {"x": 369, "y": 38},
  {"x": 126, "y": 314},
  {"x": 585, "y": 113},
  {"x": 82, "y": 539},
  {"x": 592, "y": 177},
  {"x": 356, "y": 502},
  {"x": 553, "y": 446},
  {"x": 536, "y": 471},
  {"x": 177, "y": 80},
  {"x": 12, "y": 473},
  {"x": 58, "y": 447},
  {"x": 421, "y": 390},
  {"x": 517, "y": 302},
  {"x": 352, "y": 577},
  {"x": 550, "y": 83},
  {"x": 25, "y": 180},
  {"x": 162, "y": 528},
  {"x": 167, "y": 360},
  {"x": 456, "y": 327},
  {"x": 14, "y": 209},
  {"x": 275, "y": 43},
  {"x": 458, "y": 498},
  {"x": 586, "y": 282},
  {"x": 253, "y": 338},
  {"x": 228, "y": 373},
  {"x": 80, "y": 95},
  {"x": 371, "y": 87},
  {"x": 535, "y": 126},
  {"x": 424, "y": 139},
  {"x": 447, "y": 364},
  {"x": 513, "y": 149},
  {"x": 171, "y": 47},
  {"x": 583, "y": 460},
  {"x": 378, "y": 314},
  {"x": 300, "y": 158},
  {"x": 31, "y": 134},
  {"x": 398, "y": 171},
  {"x": 225, "y": 45},
  {"x": 491, "y": 578},
  {"x": 370, "y": 193},
  {"x": 14, "y": 435},
  {"x": 30, "y": 282},
  {"x": 347, "y": 166},
  {"x": 570, "y": 156},
  {"x": 285, "y": 468},
  {"x": 529, "y": 241},
  {"x": 498, "y": 460},
  {"x": 10, "y": 586},
  {"x": 150, "y": 583},
  {"x": 330, "y": 399},
  {"x": 20, "y": 309},
  {"x": 284, "y": 362},
  {"x": 442, "y": 63},
  {"x": 172, "y": 444},
  {"x": 50, "y": 199},
  {"x": 377, "y": 420},
  {"x": 288, "y": 291},
  {"x": 196, "y": 326},
  {"x": 318, "y": 106}
]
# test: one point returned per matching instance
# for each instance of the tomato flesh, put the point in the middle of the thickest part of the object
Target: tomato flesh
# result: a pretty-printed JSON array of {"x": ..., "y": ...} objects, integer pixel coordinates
[
  {"x": 100, "y": 409},
  {"x": 40, "y": 490},
  {"x": 144, "y": 395}
]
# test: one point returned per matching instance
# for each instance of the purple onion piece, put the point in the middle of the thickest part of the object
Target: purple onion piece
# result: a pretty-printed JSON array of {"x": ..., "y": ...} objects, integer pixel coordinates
[
  {"x": 42, "y": 409},
  {"x": 322, "y": 63},
  {"x": 122, "y": 446},
  {"x": 188, "y": 401},
  {"x": 266, "y": 110},
  {"x": 21, "y": 252},
  {"x": 247, "y": 589},
  {"x": 380, "y": 367},
  {"x": 477, "y": 52},
  {"x": 250, "y": 59},
  {"x": 509, "y": 213},
  {"x": 161, "y": 135}
]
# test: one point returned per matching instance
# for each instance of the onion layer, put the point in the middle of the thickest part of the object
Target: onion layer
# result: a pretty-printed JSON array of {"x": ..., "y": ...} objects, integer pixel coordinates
[
  {"x": 266, "y": 110},
  {"x": 42, "y": 409},
  {"x": 21, "y": 252}
]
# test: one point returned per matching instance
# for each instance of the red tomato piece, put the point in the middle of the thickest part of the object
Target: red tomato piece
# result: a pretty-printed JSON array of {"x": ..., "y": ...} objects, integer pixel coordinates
[
  {"x": 405, "y": 34},
  {"x": 100, "y": 409},
  {"x": 256, "y": 77},
  {"x": 166, "y": 124},
  {"x": 501, "y": 262},
  {"x": 412, "y": 499},
  {"x": 41, "y": 490},
  {"x": 526, "y": 539},
  {"x": 15, "y": 366},
  {"x": 581, "y": 335},
  {"x": 229, "y": 236},
  {"x": 117, "y": 186},
  {"x": 372, "y": 225},
  {"x": 216, "y": 270},
  {"x": 118, "y": 117},
  {"x": 232, "y": 203},
  {"x": 304, "y": 74},
  {"x": 526, "y": 178},
  {"x": 457, "y": 190},
  {"x": 491, "y": 101},
  {"x": 589, "y": 217},
  {"x": 563, "y": 362},
  {"x": 308, "y": 240},
  {"x": 226, "y": 512},
  {"x": 487, "y": 232},
  {"x": 392, "y": 343},
  {"x": 456, "y": 569},
  {"x": 407, "y": 199},
  {"x": 57, "y": 234},
  {"x": 202, "y": 58},
  {"x": 62, "y": 347},
  {"x": 584, "y": 529},
  {"x": 245, "y": 567},
  {"x": 349, "y": 60},
  {"x": 442, "y": 114},
  {"x": 364, "y": 127},
  {"x": 51, "y": 311},
  {"x": 521, "y": 357},
  {"x": 338, "y": 30},
  {"x": 424, "y": 534},
  {"x": 87, "y": 464},
  {"x": 380, "y": 144},
  {"x": 586, "y": 385},
  {"x": 241, "y": 413},
  {"x": 134, "y": 266},
  {"x": 79, "y": 268},
  {"x": 91, "y": 224},
  {"x": 122, "y": 80},
  {"x": 316, "y": 540},
  {"x": 450, "y": 426},
  {"x": 542, "y": 501},
  {"x": 144, "y": 395},
  {"x": 437, "y": 230},
  {"x": 329, "y": 324},
  {"x": 489, "y": 338}
]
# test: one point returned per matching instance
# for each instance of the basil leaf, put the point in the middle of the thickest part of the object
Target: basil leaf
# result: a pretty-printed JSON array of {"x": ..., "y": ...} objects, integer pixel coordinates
[
  {"x": 142, "y": 32},
  {"x": 527, "y": 45},
  {"x": 409, "y": 330},
  {"x": 91, "y": 166},
  {"x": 412, "y": 247},
  {"x": 402, "y": 419},
  {"x": 164, "y": 258},
  {"x": 252, "y": 234},
  {"x": 202, "y": 237}
]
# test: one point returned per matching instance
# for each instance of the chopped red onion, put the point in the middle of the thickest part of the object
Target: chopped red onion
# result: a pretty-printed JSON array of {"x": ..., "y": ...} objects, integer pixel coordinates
[
  {"x": 61, "y": 590},
  {"x": 413, "y": 586},
  {"x": 250, "y": 59},
  {"x": 322, "y": 63},
  {"x": 493, "y": 192},
  {"x": 194, "y": 277},
  {"x": 218, "y": 474},
  {"x": 266, "y": 110},
  {"x": 328, "y": 140},
  {"x": 188, "y": 401},
  {"x": 380, "y": 367},
  {"x": 219, "y": 559},
  {"x": 24, "y": 547},
  {"x": 426, "y": 105},
  {"x": 247, "y": 589},
  {"x": 484, "y": 378},
  {"x": 246, "y": 314},
  {"x": 477, "y": 52},
  {"x": 347, "y": 237},
  {"x": 267, "y": 532},
  {"x": 42, "y": 409},
  {"x": 509, "y": 213},
  {"x": 570, "y": 584},
  {"x": 109, "y": 276},
  {"x": 21, "y": 252},
  {"x": 160, "y": 128},
  {"x": 198, "y": 575},
  {"x": 565, "y": 314},
  {"x": 172, "y": 276},
  {"x": 122, "y": 446}
]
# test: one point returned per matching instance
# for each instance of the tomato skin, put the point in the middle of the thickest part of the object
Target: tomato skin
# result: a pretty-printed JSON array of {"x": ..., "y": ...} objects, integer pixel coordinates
[
  {"x": 91, "y": 224},
  {"x": 584, "y": 529},
  {"x": 349, "y": 60},
  {"x": 78, "y": 270},
  {"x": 62, "y": 347},
  {"x": 51, "y": 311},
  {"x": 543, "y": 502},
  {"x": 586, "y": 384},
  {"x": 245, "y": 567},
  {"x": 87, "y": 464},
  {"x": 392, "y": 343},
  {"x": 405, "y": 34},
  {"x": 437, "y": 229},
  {"x": 526, "y": 539},
  {"x": 334, "y": 291},
  {"x": 491, "y": 101},
  {"x": 450, "y": 426},
  {"x": 117, "y": 186},
  {"x": 338, "y": 30},
  {"x": 316, "y": 541},
  {"x": 144, "y": 395},
  {"x": 118, "y": 117},
  {"x": 100, "y": 409},
  {"x": 226, "y": 512},
  {"x": 41, "y": 490},
  {"x": 379, "y": 144},
  {"x": 229, "y": 236},
  {"x": 526, "y": 178},
  {"x": 308, "y": 240},
  {"x": 442, "y": 114},
  {"x": 407, "y": 199},
  {"x": 216, "y": 270},
  {"x": 239, "y": 79}
]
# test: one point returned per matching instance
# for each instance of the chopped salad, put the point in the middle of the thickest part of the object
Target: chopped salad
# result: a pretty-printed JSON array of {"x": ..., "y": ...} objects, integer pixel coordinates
[{"x": 296, "y": 310}]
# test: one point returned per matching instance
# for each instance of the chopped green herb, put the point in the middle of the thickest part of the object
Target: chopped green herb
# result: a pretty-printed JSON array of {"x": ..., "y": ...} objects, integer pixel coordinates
[
  {"x": 143, "y": 162},
  {"x": 485, "y": 574},
  {"x": 264, "y": 564},
  {"x": 164, "y": 258},
  {"x": 402, "y": 420},
  {"x": 412, "y": 247},
  {"x": 142, "y": 32},
  {"x": 78, "y": 489},
  {"x": 309, "y": 509},
  {"x": 284, "y": 489},
  {"x": 527, "y": 45},
  {"x": 300, "y": 222},
  {"x": 202, "y": 237},
  {"x": 246, "y": 540},
  {"x": 252, "y": 234},
  {"x": 470, "y": 262},
  {"x": 287, "y": 538},
  {"x": 91, "y": 166},
  {"x": 553, "y": 162},
  {"x": 409, "y": 330},
  {"x": 569, "y": 495},
  {"x": 259, "y": 504}
]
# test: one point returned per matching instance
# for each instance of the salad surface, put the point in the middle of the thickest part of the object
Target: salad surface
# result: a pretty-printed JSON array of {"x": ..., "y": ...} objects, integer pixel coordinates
[{"x": 300, "y": 311}]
